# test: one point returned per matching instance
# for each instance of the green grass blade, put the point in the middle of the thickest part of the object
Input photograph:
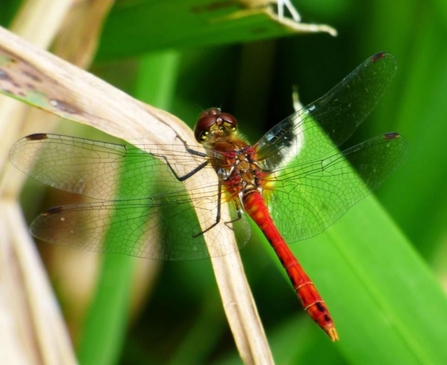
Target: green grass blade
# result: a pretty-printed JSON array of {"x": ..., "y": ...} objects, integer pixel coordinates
[
  {"x": 151, "y": 25},
  {"x": 108, "y": 315},
  {"x": 385, "y": 302},
  {"x": 107, "y": 319}
]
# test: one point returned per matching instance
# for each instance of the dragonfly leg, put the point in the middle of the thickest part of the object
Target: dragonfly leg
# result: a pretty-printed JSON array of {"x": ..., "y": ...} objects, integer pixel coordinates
[
  {"x": 238, "y": 217},
  {"x": 193, "y": 171},
  {"x": 190, "y": 150},
  {"x": 187, "y": 175},
  {"x": 218, "y": 214}
]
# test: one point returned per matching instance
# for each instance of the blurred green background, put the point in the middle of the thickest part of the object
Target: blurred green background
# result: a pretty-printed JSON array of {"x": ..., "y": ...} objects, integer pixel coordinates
[{"x": 183, "y": 321}]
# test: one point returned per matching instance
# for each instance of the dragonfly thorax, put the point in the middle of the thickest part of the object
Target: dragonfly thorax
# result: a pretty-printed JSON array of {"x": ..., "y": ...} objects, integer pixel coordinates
[{"x": 237, "y": 168}]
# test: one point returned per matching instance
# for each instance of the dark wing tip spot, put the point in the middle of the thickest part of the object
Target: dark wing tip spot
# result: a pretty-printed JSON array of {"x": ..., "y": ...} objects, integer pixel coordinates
[
  {"x": 54, "y": 210},
  {"x": 36, "y": 137},
  {"x": 391, "y": 135},
  {"x": 378, "y": 56}
]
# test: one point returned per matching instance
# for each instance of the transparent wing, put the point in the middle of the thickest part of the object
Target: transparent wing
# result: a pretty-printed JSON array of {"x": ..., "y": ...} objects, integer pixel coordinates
[
  {"x": 93, "y": 168},
  {"x": 338, "y": 114},
  {"x": 315, "y": 194},
  {"x": 151, "y": 214}
]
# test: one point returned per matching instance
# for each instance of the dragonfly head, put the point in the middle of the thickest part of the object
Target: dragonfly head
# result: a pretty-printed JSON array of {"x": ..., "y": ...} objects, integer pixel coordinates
[{"x": 214, "y": 123}]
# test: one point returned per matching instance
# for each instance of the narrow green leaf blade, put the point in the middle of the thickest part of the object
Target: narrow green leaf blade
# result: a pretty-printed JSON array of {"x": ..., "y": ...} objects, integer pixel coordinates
[
  {"x": 151, "y": 25},
  {"x": 386, "y": 304}
]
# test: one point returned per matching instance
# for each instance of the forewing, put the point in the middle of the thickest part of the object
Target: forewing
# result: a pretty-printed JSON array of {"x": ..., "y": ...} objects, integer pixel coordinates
[
  {"x": 337, "y": 114},
  {"x": 94, "y": 168}
]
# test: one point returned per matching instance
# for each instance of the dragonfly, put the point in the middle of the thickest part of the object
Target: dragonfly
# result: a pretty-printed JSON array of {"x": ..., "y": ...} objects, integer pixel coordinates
[{"x": 293, "y": 183}]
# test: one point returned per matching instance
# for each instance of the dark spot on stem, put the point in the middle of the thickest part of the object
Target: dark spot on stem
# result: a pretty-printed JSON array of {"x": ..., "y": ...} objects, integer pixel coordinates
[
  {"x": 4, "y": 75},
  {"x": 32, "y": 76},
  {"x": 63, "y": 106}
]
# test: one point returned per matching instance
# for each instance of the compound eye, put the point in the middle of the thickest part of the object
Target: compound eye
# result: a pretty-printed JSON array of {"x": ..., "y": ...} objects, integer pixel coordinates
[
  {"x": 203, "y": 126},
  {"x": 228, "y": 118}
]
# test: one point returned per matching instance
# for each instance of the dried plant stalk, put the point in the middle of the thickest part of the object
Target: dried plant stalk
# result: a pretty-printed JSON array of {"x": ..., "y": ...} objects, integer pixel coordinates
[
  {"x": 36, "y": 333},
  {"x": 74, "y": 94}
]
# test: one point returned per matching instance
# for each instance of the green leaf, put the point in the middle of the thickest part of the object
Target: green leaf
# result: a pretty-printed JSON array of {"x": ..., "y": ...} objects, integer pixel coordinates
[
  {"x": 144, "y": 26},
  {"x": 108, "y": 316},
  {"x": 386, "y": 304}
]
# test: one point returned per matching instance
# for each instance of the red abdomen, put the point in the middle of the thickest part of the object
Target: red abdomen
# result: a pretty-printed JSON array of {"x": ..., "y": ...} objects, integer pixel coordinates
[{"x": 311, "y": 300}]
